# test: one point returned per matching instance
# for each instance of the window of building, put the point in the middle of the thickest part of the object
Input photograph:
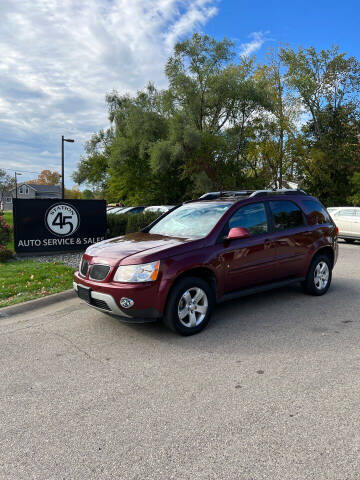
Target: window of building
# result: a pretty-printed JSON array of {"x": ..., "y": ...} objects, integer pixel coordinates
[
  {"x": 24, "y": 190},
  {"x": 286, "y": 215},
  {"x": 8, "y": 200},
  {"x": 253, "y": 217}
]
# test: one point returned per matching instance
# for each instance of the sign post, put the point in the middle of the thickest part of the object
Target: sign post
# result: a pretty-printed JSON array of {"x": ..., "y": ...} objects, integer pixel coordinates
[{"x": 53, "y": 225}]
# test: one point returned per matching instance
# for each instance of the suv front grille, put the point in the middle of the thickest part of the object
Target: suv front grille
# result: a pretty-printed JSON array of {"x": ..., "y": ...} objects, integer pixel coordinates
[
  {"x": 84, "y": 267},
  {"x": 99, "y": 272},
  {"x": 100, "y": 304}
]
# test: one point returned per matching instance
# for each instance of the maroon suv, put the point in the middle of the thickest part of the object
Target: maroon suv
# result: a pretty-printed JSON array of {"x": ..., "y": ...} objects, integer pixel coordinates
[{"x": 219, "y": 247}]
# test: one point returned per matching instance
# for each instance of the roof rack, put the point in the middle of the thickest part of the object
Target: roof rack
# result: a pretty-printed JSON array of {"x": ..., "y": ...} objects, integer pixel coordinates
[
  {"x": 250, "y": 193},
  {"x": 225, "y": 194},
  {"x": 279, "y": 191}
]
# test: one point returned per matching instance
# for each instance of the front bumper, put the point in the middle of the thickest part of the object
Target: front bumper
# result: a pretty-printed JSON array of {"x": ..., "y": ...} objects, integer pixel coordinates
[{"x": 105, "y": 301}]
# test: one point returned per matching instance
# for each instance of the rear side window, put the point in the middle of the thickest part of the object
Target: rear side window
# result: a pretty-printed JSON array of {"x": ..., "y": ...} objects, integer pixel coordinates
[
  {"x": 286, "y": 215},
  {"x": 253, "y": 217},
  {"x": 318, "y": 213}
]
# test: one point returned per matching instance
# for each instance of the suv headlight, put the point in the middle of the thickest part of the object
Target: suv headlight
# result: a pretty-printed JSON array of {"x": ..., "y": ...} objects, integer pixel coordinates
[{"x": 147, "y": 272}]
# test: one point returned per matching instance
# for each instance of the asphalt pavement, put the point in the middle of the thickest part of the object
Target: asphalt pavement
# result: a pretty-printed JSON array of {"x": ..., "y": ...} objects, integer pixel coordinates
[{"x": 270, "y": 390}]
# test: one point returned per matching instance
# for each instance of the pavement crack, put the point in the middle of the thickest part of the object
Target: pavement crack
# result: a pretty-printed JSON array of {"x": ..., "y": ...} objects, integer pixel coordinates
[{"x": 73, "y": 344}]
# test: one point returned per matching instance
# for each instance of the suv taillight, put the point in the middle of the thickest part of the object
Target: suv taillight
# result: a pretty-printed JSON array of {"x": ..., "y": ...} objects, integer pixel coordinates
[{"x": 336, "y": 231}]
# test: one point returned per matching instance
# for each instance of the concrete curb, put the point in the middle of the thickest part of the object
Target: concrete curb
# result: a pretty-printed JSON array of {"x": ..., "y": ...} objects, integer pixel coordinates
[{"x": 30, "y": 305}]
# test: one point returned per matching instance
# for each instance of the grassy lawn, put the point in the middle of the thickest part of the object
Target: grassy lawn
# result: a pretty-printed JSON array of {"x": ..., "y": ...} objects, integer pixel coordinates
[
  {"x": 8, "y": 217},
  {"x": 26, "y": 279}
]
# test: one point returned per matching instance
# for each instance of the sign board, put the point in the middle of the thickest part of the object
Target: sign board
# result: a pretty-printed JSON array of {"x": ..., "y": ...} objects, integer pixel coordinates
[{"x": 54, "y": 225}]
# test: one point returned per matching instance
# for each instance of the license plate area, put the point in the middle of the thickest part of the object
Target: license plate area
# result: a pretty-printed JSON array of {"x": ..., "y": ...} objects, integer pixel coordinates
[{"x": 84, "y": 293}]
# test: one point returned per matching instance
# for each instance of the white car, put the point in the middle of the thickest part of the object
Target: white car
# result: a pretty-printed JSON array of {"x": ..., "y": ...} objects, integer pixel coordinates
[
  {"x": 159, "y": 208},
  {"x": 347, "y": 220}
]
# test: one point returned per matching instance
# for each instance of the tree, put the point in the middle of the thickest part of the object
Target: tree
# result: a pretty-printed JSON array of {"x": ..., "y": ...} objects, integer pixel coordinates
[
  {"x": 7, "y": 183},
  {"x": 324, "y": 78},
  {"x": 47, "y": 177},
  {"x": 327, "y": 83},
  {"x": 93, "y": 166},
  {"x": 354, "y": 199},
  {"x": 225, "y": 122},
  {"x": 209, "y": 95},
  {"x": 279, "y": 125},
  {"x": 74, "y": 193},
  {"x": 164, "y": 146},
  {"x": 88, "y": 194}
]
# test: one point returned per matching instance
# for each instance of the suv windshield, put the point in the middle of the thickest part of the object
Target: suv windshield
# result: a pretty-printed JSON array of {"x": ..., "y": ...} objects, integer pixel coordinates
[{"x": 191, "y": 220}]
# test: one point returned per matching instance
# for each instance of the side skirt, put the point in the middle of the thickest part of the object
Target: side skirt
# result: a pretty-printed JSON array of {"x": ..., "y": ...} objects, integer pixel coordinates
[{"x": 259, "y": 289}]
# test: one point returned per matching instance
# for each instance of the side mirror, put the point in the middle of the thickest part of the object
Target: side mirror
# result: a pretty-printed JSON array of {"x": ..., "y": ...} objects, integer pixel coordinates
[{"x": 238, "y": 232}]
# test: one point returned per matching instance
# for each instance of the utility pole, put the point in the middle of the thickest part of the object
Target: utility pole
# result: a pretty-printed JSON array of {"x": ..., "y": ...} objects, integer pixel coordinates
[
  {"x": 62, "y": 164},
  {"x": 16, "y": 174}
]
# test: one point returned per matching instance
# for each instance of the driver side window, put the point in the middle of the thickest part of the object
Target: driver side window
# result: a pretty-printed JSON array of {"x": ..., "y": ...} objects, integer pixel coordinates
[{"x": 253, "y": 217}]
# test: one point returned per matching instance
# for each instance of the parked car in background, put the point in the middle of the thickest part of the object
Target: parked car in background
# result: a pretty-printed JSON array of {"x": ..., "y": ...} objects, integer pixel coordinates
[
  {"x": 159, "y": 208},
  {"x": 208, "y": 251},
  {"x": 116, "y": 210},
  {"x": 126, "y": 210},
  {"x": 347, "y": 220}
]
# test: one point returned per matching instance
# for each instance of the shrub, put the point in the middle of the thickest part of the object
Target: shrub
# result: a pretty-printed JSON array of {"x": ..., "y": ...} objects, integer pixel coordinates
[
  {"x": 116, "y": 225},
  {"x": 138, "y": 221},
  {"x": 5, "y": 232},
  {"x": 5, "y": 253}
]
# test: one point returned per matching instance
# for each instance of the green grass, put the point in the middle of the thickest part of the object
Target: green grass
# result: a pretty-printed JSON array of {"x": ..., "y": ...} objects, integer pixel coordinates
[
  {"x": 8, "y": 217},
  {"x": 22, "y": 280}
]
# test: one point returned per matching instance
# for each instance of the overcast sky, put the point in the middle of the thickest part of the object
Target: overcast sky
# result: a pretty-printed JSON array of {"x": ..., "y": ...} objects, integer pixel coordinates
[{"x": 60, "y": 58}]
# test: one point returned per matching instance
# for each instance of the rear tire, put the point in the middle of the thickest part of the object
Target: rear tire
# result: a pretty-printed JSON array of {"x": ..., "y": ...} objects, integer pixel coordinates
[
  {"x": 189, "y": 306},
  {"x": 318, "y": 278}
]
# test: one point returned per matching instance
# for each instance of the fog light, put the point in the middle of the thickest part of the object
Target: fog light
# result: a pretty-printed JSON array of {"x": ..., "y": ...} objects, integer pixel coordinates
[{"x": 126, "y": 302}]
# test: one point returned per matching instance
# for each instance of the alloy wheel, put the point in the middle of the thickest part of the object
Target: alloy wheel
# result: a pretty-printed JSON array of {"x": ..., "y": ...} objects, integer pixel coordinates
[
  {"x": 192, "y": 307},
  {"x": 321, "y": 275}
]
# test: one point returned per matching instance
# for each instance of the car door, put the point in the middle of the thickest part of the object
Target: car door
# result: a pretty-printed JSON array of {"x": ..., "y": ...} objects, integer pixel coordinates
[
  {"x": 248, "y": 261},
  {"x": 292, "y": 237},
  {"x": 357, "y": 222},
  {"x": 344, "y": 219}
]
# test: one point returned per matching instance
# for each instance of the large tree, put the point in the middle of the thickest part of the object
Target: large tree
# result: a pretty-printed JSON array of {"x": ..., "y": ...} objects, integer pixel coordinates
[
  {"x": 328, "y": 83},
  {"x": 47, "y": 177},
  {"x": 226, "y": 122},
  {"x": 7, "y": 182}
]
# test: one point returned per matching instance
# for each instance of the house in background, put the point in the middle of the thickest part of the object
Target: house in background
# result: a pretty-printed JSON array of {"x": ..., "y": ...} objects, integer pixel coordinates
[{"x": 31, "y": 191}]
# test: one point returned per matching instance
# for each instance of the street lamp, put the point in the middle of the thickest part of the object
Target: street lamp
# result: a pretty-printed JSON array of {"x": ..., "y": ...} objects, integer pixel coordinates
[
  {"x": 16, "y": 174},
  {"x": 62, "y": 163}
]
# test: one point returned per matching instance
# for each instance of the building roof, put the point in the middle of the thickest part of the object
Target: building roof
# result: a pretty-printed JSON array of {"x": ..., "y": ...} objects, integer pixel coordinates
[
  {"x": 44, "y": 188},
  {"x": 40, "y": 188}
]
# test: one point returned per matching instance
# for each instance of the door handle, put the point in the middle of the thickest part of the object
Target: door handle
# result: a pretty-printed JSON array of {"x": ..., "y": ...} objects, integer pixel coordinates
[{"x": 267, "y": 242}]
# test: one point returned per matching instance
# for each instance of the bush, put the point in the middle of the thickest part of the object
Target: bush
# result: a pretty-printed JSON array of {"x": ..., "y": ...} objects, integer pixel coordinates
[
  {"x": 5, "y": 232},
  {"x": 121, "y": 224},
  {"x": 5, "y": 253},
  {"x": 139, "y": 221},
  {"x": 116, "y": 224}
]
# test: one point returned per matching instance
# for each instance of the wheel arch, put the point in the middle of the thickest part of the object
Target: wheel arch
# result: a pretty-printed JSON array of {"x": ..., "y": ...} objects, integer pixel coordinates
[
  {"x": 328, "y": 251},
  {"x": 204, "y": 273}
]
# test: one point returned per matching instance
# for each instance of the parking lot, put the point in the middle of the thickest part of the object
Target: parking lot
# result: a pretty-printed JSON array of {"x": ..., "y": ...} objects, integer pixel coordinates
[{"x": 270, "y": 390}]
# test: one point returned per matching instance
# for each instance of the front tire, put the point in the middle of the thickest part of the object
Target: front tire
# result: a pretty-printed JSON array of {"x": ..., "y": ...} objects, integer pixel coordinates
[
  {"x": 349, "y": 240},
  {"x": 189, "y": 307},
  {"x": 318, "y": 278}
]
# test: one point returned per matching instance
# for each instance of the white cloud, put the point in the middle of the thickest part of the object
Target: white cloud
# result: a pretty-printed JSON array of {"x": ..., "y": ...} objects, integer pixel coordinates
[
  {"x": 60, "y": 57},
  {"x": 257, "y": 41}
]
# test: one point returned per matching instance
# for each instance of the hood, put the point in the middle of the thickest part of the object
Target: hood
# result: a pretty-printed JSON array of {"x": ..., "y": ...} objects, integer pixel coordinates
[{"x": 135, "y": 248}]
